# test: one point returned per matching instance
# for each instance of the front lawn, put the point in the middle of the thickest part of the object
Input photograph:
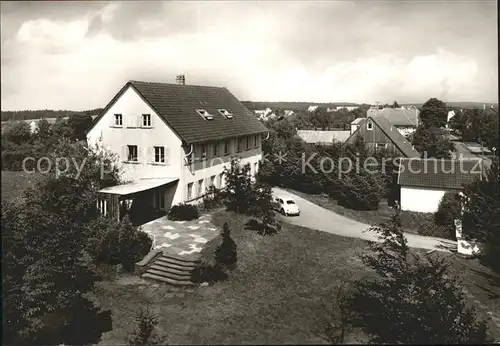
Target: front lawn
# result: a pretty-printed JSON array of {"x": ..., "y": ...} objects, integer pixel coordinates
[
  {"x": 410, "y": 221},
  {"x": 271, "y": 298}
]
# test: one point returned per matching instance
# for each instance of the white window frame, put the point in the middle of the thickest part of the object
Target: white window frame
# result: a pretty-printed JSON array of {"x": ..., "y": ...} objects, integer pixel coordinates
[
  {"x": 129, "y": 152},
  {"x": 146, "y": 120},
  {"x": 159, "y": 153},
  {"x": 226, "y": 113},
  {"x": 119, "y": 117},
  {"x": 204, "y": 114},
  {"x": 199, "y": 185},
  {"x": 102, "y": 205},
  {"x": 369, "y": 125}
]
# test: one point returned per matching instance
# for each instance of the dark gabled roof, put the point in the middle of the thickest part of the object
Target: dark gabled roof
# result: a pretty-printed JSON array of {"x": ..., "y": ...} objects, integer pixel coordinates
[
  {"x": 440, "y": 173},
  {"x": 396, "y": 116},
  {"x": 176, "y": 105},
  {"x": 393, "y": 134}
]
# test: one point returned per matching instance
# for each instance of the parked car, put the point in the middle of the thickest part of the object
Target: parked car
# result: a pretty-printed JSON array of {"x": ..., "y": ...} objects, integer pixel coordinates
[{"x": 286, "y": 206}]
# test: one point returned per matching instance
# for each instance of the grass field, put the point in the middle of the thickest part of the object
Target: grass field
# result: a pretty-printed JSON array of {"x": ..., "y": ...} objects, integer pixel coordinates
[
  {"x": 273, "y": 297},
  {"x": 15, "y": 182}
]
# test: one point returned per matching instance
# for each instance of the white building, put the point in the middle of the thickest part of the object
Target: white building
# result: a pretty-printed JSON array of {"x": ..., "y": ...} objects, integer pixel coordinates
[
  {"x": 423, "y": 182},
  {"x": 173, "y": 141}
]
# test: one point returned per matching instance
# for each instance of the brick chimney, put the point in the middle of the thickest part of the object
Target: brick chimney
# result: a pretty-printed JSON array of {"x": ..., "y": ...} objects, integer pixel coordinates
[{"x": 180, "y": 79}]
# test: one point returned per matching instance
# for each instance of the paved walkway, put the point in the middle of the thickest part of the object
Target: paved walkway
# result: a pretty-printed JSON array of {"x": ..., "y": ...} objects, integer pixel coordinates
[
  {"x": 315, "y": 217},
  {"x": 182, "y": 238}
]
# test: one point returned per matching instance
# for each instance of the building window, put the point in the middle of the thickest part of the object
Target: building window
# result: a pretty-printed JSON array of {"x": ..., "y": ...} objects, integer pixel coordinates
[
  {"x": 238, "y": 149},
  {"x": 226, "y": 147},
  {"x": 212, "y": 180},
  {"x": 146, "y": 120},
  {"x": 160, "y": 199},
  {"x": 200, "y": 188},
  {"x": 216, "y": 149},
  {"x": 226, "y": 113},
  {"x": 118, "y": 120},
  {"x": 248, "y": 142},
  {"x": 132, "y": 153},
  {"x": 190, "y": 191},
  {"x": 205, "y": 114},
  {"x": 203, "y": 151},
  {"x": 369, "y": 125},
  {"x": 160, "y": 154},
  {"x": 102, "y": 205},
  {"x": 255, "y": 141}
]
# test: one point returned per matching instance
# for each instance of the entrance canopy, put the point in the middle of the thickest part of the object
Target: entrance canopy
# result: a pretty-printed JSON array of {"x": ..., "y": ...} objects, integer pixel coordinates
[{"x": 137, "y": 186}]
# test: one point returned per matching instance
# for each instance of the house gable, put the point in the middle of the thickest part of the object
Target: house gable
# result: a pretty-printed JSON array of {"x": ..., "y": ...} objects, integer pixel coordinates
[
  {"x": 382, "y": 132},
  {"x": 131, "y": 106}
]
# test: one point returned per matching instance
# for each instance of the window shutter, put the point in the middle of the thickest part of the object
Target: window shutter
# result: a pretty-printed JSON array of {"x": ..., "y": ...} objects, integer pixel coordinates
[
  {"x": 139, "y": 156},
  {"x": 124, "y": 153},
  {"x": 139, "y": 120},
  {"x": 151, "y": 154},
  {"x": 167, "y": 155}
]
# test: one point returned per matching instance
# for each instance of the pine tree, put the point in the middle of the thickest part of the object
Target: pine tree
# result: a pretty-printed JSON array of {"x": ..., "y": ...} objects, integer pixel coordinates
[{"x": 226, "y": 254}]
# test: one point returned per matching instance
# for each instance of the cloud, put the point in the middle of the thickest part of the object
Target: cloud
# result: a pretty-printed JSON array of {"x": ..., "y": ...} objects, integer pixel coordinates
[{"x": 343, "y": 51}]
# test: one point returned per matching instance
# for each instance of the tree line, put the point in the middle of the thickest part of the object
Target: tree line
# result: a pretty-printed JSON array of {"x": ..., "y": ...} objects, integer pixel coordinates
[
  {"x": 19, "y": 142},
  {"x": 45, "y": 113}
]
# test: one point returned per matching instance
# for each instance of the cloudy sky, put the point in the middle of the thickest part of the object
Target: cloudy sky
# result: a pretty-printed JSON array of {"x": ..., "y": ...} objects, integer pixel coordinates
[{"x": 77, "y": 55}]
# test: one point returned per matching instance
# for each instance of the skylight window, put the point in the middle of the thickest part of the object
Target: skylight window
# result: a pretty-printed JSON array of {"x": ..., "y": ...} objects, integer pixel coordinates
[
  {"x": 226, "y": 113},
  {"x": 205, "y": 114}
]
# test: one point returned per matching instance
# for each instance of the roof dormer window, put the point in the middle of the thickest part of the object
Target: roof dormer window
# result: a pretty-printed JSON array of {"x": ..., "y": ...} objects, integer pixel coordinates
[
  {"x": 205, "y": 114},
  {"x": 226, "y": 113}
]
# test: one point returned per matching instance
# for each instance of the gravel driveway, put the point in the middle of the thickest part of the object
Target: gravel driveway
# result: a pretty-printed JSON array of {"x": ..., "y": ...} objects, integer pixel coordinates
[{"x": 315, "y": 217}]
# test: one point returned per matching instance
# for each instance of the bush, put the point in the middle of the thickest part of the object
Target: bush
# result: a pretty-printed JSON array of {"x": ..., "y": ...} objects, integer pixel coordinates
[
  {"x": 448, "y": 211},
  {"x": 118, "y": 243},
  {"x": 183, "y": 212},
  {"x": 212, "y": 199},
  {"x": 361, "y": 191},
  {"x": 146, "y": 333},
  {"x": 225, "y": 254}
]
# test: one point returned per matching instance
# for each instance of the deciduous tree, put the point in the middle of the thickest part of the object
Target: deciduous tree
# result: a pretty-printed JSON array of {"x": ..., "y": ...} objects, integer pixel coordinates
[{"x": 434, "y": 113}]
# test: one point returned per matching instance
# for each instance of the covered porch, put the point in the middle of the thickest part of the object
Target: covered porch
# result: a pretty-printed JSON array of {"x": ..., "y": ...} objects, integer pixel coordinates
[{"x": 143, "y": 200}]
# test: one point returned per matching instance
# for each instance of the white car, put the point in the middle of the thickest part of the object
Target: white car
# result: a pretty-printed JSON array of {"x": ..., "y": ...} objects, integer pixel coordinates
[{"x": 286, "y": 206}]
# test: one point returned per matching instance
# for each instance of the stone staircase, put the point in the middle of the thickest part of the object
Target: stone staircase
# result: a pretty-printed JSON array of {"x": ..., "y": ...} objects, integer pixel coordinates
[{"x": 171, "y": 269}]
